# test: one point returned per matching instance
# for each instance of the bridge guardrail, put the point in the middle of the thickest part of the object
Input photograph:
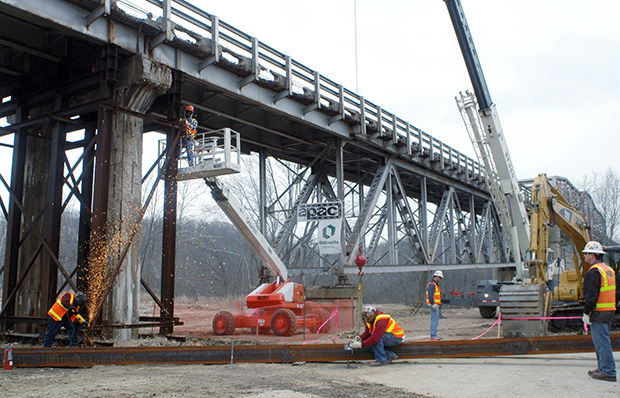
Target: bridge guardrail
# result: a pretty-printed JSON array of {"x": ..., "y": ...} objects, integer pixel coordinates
[{"x": 196, "y": 26}]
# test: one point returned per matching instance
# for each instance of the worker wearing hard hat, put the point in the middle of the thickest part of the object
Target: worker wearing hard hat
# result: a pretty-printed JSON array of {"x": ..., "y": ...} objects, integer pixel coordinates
[
  {"x": 64, "y": 313},
  {"x": 433, "y": 300},
  {"x": 190, "y": 125},
  {"x": 381, "y": 333},
  {"x": 599, "y": 291}
]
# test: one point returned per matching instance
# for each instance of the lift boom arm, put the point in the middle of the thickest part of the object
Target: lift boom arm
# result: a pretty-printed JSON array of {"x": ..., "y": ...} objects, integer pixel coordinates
[{"x": 229, "y": 203}]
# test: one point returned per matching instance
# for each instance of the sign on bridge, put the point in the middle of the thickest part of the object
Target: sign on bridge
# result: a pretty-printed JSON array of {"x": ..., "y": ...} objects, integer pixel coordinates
[{"x": 319, "y": 211}]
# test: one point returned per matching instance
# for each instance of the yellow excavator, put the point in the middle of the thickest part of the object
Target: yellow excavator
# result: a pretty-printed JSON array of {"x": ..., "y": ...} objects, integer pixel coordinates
[
  {"x": 532, "y": 297},
  {"x": 549, "y": 208}
]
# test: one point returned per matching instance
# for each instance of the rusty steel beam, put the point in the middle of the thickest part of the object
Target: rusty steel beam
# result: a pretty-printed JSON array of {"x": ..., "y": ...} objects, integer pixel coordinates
[{"x": 226, "y": 354}]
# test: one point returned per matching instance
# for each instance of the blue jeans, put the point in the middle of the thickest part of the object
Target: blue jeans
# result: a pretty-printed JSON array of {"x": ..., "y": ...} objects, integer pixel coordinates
[
  {"x": 381, "y": 350},
  {"x": 602, "y": 347},
  {"x": 434, "y": 321},
  {"x": 188, "y": 144},
  {"x": 54, "y": 326}
]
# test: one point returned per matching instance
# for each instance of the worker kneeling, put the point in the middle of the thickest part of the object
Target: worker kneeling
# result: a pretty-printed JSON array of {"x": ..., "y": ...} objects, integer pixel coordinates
[
  {"x": 64, "y": 313},
  {"x": 381, "y": 333}
]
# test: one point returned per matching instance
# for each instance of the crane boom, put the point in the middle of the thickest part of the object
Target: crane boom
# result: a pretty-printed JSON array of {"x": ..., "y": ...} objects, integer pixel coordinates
[{"x": 488, "y": 139}]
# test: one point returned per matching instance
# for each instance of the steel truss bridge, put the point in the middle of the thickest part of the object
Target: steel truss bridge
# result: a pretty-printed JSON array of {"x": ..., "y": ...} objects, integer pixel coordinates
[{"x": 115, "y": 70}]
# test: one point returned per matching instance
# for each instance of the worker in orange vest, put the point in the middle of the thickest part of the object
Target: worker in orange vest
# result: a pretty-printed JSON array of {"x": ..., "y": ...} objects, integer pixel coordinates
[
  {"x": 599, "y": 291},
  {"x": 381, "y": 333},
  {"x": 188, "y": 131},
  {"x": 433, "y": 300},
  {"x": 64, "y": 313}
]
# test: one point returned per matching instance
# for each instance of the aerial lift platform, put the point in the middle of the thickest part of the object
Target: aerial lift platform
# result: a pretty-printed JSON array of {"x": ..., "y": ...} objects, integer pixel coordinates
[{"x": 279, "y": 306}]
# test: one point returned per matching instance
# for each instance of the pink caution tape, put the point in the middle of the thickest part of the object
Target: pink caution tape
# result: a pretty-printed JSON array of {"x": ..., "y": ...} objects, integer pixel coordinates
[
  {"x": 334, "y": 314},
  {"x": 542, "y": 317},
  {"x": 499, "y": 317}
]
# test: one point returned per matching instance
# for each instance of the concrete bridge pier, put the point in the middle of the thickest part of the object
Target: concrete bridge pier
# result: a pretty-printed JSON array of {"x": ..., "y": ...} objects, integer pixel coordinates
[{"x": 141, "y": 81}]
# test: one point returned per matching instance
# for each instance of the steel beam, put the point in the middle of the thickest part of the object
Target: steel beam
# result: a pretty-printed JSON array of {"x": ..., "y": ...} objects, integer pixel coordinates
[{"x": 228, "y": 354}]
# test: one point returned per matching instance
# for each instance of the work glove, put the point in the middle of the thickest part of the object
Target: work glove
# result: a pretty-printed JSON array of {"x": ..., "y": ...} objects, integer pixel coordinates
[
  {"x": 586, "y": 319},
  {"x": 357, "y": 338},
  {"x": 355, "y": 344},
  {"x": 80, "y": 318},
  {"x": 434, "y": 307}
]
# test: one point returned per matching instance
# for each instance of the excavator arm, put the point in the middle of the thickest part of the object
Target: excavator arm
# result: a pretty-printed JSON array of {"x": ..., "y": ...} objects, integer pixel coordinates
[{"x": 549, "y": 208}]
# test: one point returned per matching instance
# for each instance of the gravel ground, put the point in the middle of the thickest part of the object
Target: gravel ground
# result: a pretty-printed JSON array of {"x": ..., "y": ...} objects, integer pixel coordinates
[{"x": 518, "y": 376}]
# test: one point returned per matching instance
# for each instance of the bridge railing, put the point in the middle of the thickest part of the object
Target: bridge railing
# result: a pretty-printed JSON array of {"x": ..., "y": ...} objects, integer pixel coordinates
[{"x": 316, "y": 91}]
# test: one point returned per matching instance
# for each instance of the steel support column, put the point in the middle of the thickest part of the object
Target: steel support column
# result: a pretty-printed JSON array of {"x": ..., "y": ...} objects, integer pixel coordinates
[
  {"x": 14, "y": 221},
  {"x": 338, "y": 146},
  {"x": 54, "y": 209},
  {"x": 169, "y": 238}
]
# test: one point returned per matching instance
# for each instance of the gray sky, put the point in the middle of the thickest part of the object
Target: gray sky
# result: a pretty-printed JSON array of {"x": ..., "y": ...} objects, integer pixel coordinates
[{"x": 552, "y": 67}]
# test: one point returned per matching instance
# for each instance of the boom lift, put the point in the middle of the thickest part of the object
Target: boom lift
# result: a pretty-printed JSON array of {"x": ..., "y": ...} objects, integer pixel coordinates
[{"x": 279, "y": 306}]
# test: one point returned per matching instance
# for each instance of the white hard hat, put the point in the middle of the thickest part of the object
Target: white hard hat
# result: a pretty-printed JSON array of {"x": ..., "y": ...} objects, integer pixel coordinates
[
  {"x": 593, "y": 247},
  {"x": 368, "y": 309},
  {"x": 438, "y": 273}
]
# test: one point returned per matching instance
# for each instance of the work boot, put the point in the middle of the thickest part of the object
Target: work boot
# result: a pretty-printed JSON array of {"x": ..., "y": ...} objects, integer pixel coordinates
[
  {"x": 375, "y": 363},
  {"x": 602, "y": 376},
  {"x": 592, "y": 371},
  {"x": 392, "y": 358}
]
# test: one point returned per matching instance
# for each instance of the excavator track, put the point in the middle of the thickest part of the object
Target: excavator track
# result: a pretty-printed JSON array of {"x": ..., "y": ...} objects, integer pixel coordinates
[{"x": 561, "y": 325}]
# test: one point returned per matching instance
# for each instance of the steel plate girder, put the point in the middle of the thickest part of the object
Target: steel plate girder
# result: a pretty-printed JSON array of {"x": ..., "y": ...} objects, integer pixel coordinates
[{"x": 227, "y": 354}]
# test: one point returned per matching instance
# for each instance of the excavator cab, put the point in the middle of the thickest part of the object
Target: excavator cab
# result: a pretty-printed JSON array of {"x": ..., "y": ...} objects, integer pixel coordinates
[{"x": 612, "y": 259}]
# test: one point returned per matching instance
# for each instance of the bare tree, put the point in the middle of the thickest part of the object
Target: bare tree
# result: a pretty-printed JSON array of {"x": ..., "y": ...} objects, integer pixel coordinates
[{"x": 605, "y": 191}]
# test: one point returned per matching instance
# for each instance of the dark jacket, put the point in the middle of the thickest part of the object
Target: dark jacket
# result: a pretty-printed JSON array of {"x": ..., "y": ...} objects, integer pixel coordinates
[{"x": 591, "y": 290}]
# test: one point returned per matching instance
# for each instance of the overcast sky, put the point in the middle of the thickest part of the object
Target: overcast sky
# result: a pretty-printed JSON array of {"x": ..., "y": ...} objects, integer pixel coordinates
[{"x": 552, "y": 67}]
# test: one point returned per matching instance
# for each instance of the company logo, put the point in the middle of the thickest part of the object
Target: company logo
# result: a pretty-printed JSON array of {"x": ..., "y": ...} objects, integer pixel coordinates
[
  {"x": 319, "y": 211},
  {"x": 329, "y": 231}
]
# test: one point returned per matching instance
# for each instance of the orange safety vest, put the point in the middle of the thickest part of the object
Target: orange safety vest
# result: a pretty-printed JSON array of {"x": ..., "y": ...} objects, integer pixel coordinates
[
  {"x": 189, "y": 130},
  {"x": 436, "y": 296},
  {"x": 392, "y": 326},
  {"x": 607, "y": 296},
  {"x": 58, "y": 310}
]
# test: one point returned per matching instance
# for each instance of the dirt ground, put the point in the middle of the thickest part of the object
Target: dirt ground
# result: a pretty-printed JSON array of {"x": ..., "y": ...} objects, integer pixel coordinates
[
  {"x": 459, "y": 323},
  {"x": 531, "y": 376}
]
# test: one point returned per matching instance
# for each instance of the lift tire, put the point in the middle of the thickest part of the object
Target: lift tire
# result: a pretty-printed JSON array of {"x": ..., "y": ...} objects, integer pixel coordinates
[
  {"x": 323, "y": 315},
  {"x": 224, "y": 323},
  {"x": 487, "y": 312},
  {"x": 284, "y": 322}
]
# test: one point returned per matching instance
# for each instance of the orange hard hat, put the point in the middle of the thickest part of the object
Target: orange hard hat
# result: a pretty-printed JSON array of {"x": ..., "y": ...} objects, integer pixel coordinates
[{"x": 189, "y": 108}]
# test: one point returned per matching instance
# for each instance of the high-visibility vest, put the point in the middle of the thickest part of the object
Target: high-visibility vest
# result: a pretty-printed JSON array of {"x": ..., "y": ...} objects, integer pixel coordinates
[
  {"x": 58, "y": 310},
  {"x": 392, "y": 326},
  {"x": 436, "y": 296},
  {"x": 607, "y": 296},
  {"x": 189, "y": 130}
]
